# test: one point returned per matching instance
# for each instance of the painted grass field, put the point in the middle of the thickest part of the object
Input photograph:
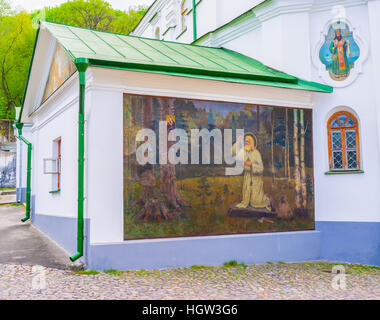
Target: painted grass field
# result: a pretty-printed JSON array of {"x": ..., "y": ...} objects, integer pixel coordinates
[{"x": 210, "y": 199}]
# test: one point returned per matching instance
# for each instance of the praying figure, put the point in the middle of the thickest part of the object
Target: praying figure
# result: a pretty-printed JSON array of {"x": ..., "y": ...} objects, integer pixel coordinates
[{"x": 253, "y": 182}]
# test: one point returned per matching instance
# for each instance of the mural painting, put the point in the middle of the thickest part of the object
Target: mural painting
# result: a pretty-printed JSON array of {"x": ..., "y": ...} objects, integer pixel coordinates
[
  {"x": 339, "y": 52},
  {"x": 182, "y": 175},
  {"x": 7, "y": 155},
  {"x": 7, "y": 169},
  {"x": 62, "y": 67}
]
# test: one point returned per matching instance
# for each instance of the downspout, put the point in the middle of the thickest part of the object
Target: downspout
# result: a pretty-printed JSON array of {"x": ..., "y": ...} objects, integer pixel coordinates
[
  {"x": 82, "y": 65},
  {"x": 19, "y": 127},
  {"x": 194, "y": 20}
]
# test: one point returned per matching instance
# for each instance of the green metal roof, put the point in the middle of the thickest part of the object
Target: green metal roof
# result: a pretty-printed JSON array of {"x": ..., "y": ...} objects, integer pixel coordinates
[{"x": 112, "y": 50}]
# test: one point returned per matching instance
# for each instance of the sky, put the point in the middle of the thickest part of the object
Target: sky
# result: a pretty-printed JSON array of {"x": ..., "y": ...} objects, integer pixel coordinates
[{"x": 30, "y": 5}]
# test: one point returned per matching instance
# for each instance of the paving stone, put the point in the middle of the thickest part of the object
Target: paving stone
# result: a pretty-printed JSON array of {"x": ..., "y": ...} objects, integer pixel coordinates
[{"x": 277, "y": 281}]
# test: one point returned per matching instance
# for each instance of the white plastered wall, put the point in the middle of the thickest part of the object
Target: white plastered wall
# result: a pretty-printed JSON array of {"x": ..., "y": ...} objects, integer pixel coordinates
[
  {"x": 351, "y": 197},
  {"x": 56, "y": 118}
]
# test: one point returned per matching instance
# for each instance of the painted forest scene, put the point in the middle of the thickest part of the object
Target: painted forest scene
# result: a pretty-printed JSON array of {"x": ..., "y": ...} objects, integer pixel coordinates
[{"x": 274, "y": 192}]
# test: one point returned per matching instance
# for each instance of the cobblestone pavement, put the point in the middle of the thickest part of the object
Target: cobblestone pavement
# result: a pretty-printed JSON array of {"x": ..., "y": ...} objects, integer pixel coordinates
[{"x": 267, "y": 281}]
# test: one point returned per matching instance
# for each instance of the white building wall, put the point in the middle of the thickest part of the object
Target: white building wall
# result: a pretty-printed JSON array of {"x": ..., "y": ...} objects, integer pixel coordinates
[
  {"x": 227, "y": 12},
  {"x": 352, "y": 197},
  {"x": 57, "y": 118},
  {"x": 104, "y": 141},
  {"x": 374, "y": 43},
  {"x": 217, "y": 13}
]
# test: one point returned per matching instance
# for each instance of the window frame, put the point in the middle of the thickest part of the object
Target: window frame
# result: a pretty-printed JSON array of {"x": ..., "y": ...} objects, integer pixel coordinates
[
  {"x": 184, "y": 12},
  {"x": 59, "y": 157},
  {"x": 343, "y": 129}
]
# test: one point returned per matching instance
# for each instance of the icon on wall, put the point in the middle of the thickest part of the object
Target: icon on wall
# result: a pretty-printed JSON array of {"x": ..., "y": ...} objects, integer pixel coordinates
[{"x": 340, "y": 51}]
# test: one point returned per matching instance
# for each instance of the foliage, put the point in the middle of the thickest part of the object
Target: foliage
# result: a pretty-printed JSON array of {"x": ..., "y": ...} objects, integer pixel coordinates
[
  {"x": 113, "y": 272},
  {"x": 234, "y": 263},
  {"x": 87, "y": 272},
  {"x": 349, "y": 268},
  {"x": 203, "y": 189},
  {"x": 4, "y": 8},
  {"x": 93, "y": 14},
  {"x": 17, "y": 38},
  {"x": 16, "y": 46},
  {"x": 198, "y": 267}
]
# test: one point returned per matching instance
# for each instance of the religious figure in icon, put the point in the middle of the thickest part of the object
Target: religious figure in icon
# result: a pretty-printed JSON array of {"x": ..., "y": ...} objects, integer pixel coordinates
[
  {"x": 253, "y": 181},
  {"x": 340, "y": 51}
]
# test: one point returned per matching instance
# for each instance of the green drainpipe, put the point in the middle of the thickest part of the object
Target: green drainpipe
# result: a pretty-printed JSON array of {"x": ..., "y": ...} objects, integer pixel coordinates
[
  {"x": 194, "y": 20},
  {"x": 19, "y": 127},
  {"x": 82, "y": 65}
]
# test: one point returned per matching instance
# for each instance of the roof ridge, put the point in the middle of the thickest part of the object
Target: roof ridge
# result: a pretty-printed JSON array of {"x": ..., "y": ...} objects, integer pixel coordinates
[{"x": 129, "y": 35}]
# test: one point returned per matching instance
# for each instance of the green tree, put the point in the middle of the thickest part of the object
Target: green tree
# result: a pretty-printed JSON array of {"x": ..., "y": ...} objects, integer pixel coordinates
[
  {"x": 16, "y": 46},
  {"x": 17, "y": 38},
  {"x": 226, "y": 190},
  {"x": 204, "y": 190},
  {"x": 94, "y": 14},
  {"x": 125, "y": 22},
  {"x": 4, "y": 8}
]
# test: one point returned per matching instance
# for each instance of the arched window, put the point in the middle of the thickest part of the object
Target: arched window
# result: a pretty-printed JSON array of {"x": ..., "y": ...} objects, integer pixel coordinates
[
  {"x": 343, "y": 137},
  {"x": 184, "y": 11}
]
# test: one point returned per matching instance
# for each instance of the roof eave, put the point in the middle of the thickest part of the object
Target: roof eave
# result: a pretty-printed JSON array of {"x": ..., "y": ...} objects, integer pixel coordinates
[{"x": 299, "y": 85}]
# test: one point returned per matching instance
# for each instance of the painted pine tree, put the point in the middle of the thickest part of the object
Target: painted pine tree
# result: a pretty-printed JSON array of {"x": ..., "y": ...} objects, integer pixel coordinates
[
  {"x": 287, "y": 153},
  {"x": 303, "y": 169},
  {"x": 272, "y": 142},
  {"x": 297, "y": 174},
  {"x": 168, "y": 185}
]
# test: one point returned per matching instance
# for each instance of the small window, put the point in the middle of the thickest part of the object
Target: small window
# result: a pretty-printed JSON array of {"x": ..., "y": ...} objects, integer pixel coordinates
[
  {"x": 53, "y": 166},
  {"x": 58, "y": 175},
  {"x": 184, "y": 11},
  {"x": 343, "y": 140}
]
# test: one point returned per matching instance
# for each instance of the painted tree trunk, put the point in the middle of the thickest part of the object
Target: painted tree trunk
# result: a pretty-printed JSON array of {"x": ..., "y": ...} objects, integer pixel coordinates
[
  {"x": 297, "y": 174},
  {"x": 302, "y": 158},
  {"x": 258, "y": 118},
  {"x": 156, "y": 207},
  {"x": 285, "y": 161},
  {"x": 287, "y": 165},
  {"x": 168, "y": 185},
  {"x": 272, "y": 145},
  {"x": 131, "y": 147}
]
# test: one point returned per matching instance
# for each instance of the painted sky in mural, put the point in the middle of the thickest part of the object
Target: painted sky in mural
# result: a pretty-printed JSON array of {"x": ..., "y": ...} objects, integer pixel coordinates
[
  {"x": 273, "y": 192},
  {"x": 339, "y": 51}
]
